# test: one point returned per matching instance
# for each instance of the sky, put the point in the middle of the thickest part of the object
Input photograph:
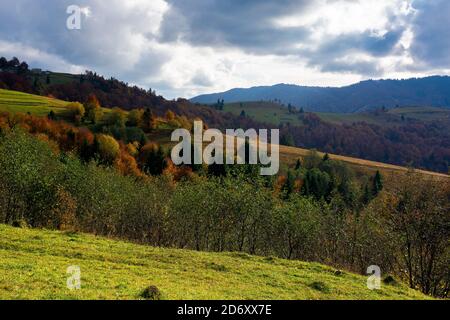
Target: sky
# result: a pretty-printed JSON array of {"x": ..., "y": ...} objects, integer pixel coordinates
[{"x": 182, "y": 48}]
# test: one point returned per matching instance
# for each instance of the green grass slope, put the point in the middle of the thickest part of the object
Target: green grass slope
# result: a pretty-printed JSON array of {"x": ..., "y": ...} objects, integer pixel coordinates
[
  {"x": 55, "y": 78},
  {"x": 33, "y": 265},
  {"x": 392, "y": 117},
  {"x": 264, "y": 111},
  {"x": 14, "y": 101},
  {"x": 275, "y": 113}
]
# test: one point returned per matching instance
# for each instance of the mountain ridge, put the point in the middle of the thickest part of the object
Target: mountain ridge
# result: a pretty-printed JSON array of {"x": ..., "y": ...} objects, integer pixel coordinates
[{"x": 363, "y": 96}]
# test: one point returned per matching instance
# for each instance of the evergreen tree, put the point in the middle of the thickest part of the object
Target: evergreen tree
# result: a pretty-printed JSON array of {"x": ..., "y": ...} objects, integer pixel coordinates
[
  {"x": 289, "y": 185},
  {"x": 316, "y": 183},
  {"x": 154, "y": 159},
  {"x": 51, "y": 115},
  {"x": 287, "y": 140},
  {"x": 367, "y": 195},
  {"x": 148, "y": 120},
  {"x": 298, "y": 165},
  {"x": 377, "y": 184}
]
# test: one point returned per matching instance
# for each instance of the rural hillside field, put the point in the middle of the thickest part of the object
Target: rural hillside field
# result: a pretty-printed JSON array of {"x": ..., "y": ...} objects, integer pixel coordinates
[
  {"x": 15, "y": 101},
  {"x": 34, "y": 262},
  {"x": 276, "y": 113}
]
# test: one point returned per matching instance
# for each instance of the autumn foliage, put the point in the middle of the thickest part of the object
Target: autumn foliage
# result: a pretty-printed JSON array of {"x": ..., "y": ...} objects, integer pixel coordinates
[{"x": 130, "y": 159}]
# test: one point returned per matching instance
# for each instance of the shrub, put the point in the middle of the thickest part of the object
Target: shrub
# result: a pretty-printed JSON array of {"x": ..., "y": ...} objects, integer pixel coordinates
[
  {"x": 108, "y": 148},
  {"x": 117, "y": 117},
  {"x": 151, "y": 293},
  {"x": 29, "y": 172},
  {"x": 76, "y": 111},
  {"x": 319, "y": 286},
  {"x": 134, "y": 118}
]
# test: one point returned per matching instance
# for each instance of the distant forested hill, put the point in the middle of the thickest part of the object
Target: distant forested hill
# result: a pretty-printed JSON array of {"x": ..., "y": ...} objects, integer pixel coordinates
[{"x": 363, "y": 96}]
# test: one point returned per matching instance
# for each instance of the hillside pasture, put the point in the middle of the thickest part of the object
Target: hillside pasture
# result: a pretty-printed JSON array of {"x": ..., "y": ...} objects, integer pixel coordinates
[
  {"x": 33, "y": 265},
  {"x": 15, "y": 102}
]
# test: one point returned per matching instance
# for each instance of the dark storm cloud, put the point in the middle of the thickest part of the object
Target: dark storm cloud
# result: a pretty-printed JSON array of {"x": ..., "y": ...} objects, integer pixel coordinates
[
  {"x": 328, "y": 56},
  {"x": 249, "y": 25},
  {"x": 244, "y": 24},
  {"x": 359, "y": 67},
  {"x": 431, "y": 43}
]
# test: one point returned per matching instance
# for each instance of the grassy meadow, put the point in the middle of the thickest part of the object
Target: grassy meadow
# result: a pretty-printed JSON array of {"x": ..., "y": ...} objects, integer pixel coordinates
[
  {"x": 391, "y": 117},
  {"x": 33, "y": 265},
  {"x": 14, "y": 102},
  {"x": 274, "y": 113},
  {"x": 264, "y": 111}
]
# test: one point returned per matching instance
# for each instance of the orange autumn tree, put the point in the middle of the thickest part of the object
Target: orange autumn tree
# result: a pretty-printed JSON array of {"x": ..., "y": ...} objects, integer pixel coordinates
[
  {"x": 94, "y": 111},
  {"x": 126, "y": 164}
]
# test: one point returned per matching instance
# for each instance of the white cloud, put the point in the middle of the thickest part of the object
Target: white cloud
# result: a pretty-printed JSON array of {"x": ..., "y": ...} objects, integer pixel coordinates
[
  {"x": 38, "y": 58},
  {"x": 184, "y": 49}
]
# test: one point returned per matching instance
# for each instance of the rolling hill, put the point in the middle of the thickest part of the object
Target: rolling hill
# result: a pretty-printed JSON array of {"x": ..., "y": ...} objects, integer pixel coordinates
[
  {"x": 34, "y": 263},
  {"x": 363, "y": 96},
  {"x": 13, "y": 101},
  {"x": 289, "y": 155},
  {"x": 275, "y": 113}
]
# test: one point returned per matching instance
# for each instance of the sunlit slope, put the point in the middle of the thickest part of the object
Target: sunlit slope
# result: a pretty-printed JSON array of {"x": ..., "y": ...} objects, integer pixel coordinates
[
  {"x": 33, "y": 265},
  {"x": 291, "y": 154},
  {"x": 14, "y": 101}
]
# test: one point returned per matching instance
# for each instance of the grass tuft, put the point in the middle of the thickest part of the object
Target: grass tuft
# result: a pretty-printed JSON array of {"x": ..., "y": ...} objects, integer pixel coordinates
[{"x": 151, "y": 293}]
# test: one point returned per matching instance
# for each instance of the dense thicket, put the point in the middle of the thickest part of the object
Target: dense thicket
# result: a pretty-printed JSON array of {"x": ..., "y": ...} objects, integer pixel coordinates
[
  {"x": 404, "y": 230},
  {"x": 418, "y": 144}
]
